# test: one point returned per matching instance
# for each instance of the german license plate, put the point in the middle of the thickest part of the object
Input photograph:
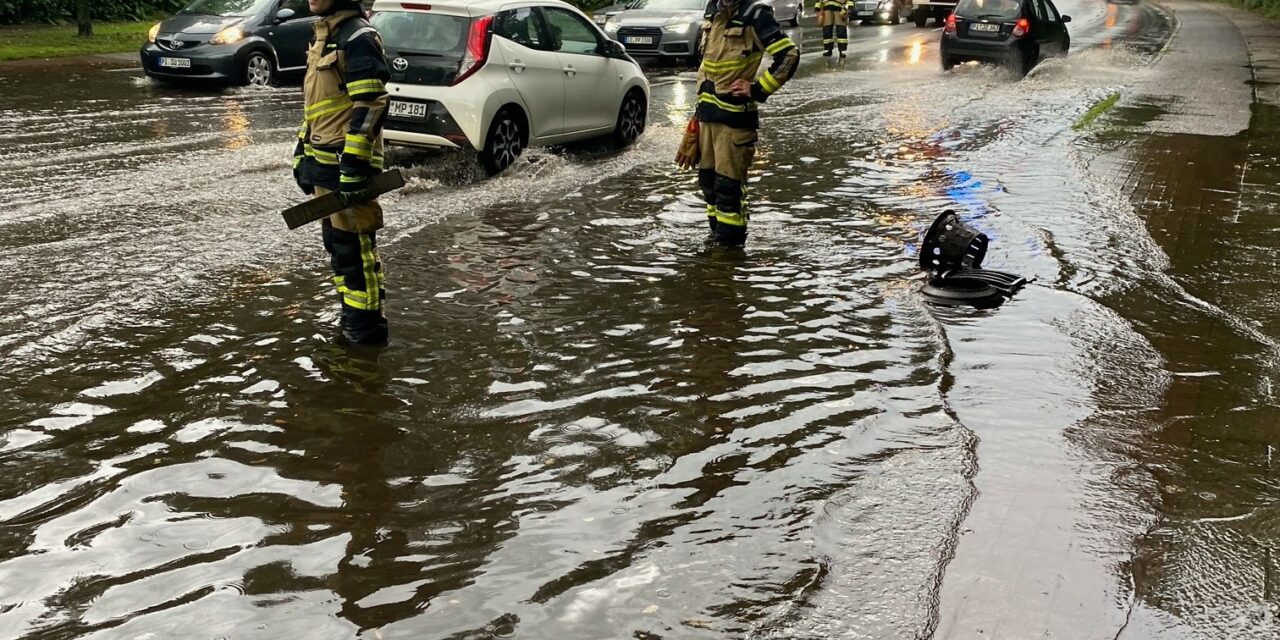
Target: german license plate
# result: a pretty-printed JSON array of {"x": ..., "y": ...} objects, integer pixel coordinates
[
  {"x": 176, "y": 63},
  {"x": 400, "y": 109},
  {"x": 984, "y": 26},
  {"x": 639, "y": 40},
  {"x": 866, "y": 14}
]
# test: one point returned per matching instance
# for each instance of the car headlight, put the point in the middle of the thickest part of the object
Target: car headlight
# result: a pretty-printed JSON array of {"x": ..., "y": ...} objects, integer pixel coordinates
[
  {"x": 155, "y": 31},
  {"x": 230, "y": 35},
  {"x": 600, "y": 19},
  {"x": 677, "y": 28},
  {"x": 610, "y": 27}
]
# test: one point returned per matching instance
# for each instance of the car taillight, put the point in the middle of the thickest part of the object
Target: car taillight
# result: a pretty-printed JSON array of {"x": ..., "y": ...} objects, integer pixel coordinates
[
  {"x": 477, "y": 49},
  {"x": 1022, "y": 28},
  {"x": 951, "y": 24}
]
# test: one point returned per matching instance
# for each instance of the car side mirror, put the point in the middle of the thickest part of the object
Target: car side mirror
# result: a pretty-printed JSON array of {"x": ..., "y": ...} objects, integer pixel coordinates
[
  {"x": 285, "y": 14},
  {"x": 1066, "y": 19},
  {"x": 614, "y": 49}
]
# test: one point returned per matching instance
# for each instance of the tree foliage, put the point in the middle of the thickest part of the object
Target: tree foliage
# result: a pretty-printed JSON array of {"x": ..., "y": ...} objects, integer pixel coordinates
[{"x": 34, "y": 11}]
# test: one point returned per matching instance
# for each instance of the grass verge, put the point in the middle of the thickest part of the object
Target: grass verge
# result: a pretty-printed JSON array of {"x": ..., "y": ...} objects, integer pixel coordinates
[
  {"x": 1096, "y": 110},
  {"x": 59, "y": 41},
  {"x": 1268, "y": 8}
]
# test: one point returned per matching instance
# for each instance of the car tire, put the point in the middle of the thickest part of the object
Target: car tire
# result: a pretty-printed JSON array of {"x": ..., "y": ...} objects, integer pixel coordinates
[
  {"x": 948, "y": 63},
  {"x": 1023, "y": 62},
  {"x": 633, "y": 115},
  {"x": 921, "y": 16},
  {"x": 795, "y": 20},
  {"x": 508, "y": 134},
  {"x": 258, "y": 70}
]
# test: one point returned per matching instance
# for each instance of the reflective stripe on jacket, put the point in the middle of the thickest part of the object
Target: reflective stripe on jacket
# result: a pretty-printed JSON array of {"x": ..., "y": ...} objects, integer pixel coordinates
[
  {"x": 344, "y": 102},
  {"x": 736, "y": 37}
]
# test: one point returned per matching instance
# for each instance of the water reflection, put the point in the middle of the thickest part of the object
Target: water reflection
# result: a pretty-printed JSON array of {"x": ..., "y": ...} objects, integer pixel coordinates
[{"x": 236, "y": 123}]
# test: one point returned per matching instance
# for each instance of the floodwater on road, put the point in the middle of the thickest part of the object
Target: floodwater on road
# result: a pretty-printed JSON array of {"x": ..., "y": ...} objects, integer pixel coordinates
[{"x": 588, "y": 425}]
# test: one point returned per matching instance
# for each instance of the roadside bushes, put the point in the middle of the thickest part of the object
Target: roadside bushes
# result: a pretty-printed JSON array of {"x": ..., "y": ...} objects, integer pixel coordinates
[
  {"x": 34, "y": 11},
  {"x": 1269, "y": 8},
  {"x": 586, "y": 5}
]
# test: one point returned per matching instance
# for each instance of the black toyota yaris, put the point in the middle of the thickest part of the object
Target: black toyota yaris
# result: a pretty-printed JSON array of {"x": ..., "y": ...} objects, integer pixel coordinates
[
  {"x": 251, "y": 42},
  {"x": 1019, "y": 33}
]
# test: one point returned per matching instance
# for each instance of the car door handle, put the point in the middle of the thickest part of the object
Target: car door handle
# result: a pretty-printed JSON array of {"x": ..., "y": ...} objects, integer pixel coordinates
[
  {"x": 516, "y": 66},
  {"x": 569, "y": 70}
]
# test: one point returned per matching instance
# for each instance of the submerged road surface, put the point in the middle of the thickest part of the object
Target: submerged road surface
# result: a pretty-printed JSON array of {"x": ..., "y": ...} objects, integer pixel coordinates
[{"x": 589, "y": 426}]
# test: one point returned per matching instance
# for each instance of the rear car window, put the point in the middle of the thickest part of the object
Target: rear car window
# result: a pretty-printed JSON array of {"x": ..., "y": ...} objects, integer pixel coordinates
[
  {"x": 417, "y": 32},
  {"x": 520, "y": 26},
  {"x": 991, "y": 9}
]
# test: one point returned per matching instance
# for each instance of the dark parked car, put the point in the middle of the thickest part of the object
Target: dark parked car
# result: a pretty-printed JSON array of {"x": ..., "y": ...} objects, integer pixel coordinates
[
  {"x": 237, "y": 41},
  {"x": 1020, "y": 33}
]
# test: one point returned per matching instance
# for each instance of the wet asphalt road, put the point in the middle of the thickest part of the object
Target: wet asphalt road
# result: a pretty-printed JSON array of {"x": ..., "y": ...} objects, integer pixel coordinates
[{"x": 588, "y": 426}]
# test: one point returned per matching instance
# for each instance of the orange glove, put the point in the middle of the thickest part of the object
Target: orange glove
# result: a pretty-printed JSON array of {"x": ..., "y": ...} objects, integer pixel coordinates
[{"x": 688, "y": 155}]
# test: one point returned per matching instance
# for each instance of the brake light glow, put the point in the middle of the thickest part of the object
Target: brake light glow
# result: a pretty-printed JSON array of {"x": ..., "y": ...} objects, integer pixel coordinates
[
  {"x": 414, "y": 6},
  {"x": 1022, "y": 28},
  {"x": 951, "y": 24},
  {"x": 477, "y": 49}
]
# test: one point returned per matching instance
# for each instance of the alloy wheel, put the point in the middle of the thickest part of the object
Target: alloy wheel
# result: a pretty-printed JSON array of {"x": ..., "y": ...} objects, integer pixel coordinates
[
  {"x": 258, "y": 71},
  {"x": 632, "y": 120},
  {"x": 506, "y": 143}
]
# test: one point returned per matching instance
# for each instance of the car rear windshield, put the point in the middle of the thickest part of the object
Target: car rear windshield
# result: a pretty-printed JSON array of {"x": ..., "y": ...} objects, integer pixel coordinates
[
  {"x": 424, "y": 33},
  {"x": 224, "y": 7},
  {"x": 990, "y": 9}
]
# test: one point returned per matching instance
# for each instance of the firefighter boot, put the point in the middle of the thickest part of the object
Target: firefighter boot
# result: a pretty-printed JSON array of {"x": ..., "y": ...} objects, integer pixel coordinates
[{"x": 358, "y": 277}]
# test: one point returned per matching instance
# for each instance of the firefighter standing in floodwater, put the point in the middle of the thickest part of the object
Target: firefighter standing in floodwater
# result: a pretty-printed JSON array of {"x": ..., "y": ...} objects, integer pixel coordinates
[
  {"x": 833, "y": 17},
  {"x": 721, "y": 137},
  {"x": 339, "y": 148}
]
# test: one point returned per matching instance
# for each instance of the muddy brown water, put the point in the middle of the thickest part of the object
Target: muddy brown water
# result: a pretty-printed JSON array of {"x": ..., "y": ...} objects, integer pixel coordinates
[{"x": 589, "y": 426}]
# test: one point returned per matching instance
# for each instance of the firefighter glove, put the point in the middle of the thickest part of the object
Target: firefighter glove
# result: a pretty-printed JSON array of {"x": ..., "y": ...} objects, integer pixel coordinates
[
  {"x": 688, "y": 154},
  {"x": 354, "y": 188},
  {"x": 298, "y": 156}
]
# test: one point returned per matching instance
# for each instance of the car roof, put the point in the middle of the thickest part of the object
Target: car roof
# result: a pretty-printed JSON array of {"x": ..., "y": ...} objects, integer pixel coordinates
[{"x": 466, "y": 7}]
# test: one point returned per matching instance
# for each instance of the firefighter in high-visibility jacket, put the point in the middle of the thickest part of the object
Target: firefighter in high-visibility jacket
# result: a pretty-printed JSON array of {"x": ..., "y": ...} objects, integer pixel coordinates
[
  {"x": 833, "y": 17},
  {"x": 339, "y": 148},
  {"x": 737, "y": 35}
]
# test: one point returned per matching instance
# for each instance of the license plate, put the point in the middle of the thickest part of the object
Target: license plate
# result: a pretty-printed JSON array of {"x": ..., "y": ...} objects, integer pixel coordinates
[
  {"x": 176, "y": 63},
  {"x": 984, "y": 26},
  {"x": 639, "y": 40},
  {"x": 400, "y": 109},
  {"x": 866, "y": 14}
]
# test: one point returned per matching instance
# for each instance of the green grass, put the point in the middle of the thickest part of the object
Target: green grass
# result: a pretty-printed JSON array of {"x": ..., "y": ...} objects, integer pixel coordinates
[
  {"x": 58, "y": 41},
  {"x": 1268, "y": 8},
  {"x": 1096, "y": 110}
]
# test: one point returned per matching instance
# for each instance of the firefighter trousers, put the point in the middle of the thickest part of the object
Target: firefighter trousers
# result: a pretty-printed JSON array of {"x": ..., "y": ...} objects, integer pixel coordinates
[
  {"x": 835, "y": 30},
  {"x": 357, "y": 274},
  {"x": 727, "y": 153}
]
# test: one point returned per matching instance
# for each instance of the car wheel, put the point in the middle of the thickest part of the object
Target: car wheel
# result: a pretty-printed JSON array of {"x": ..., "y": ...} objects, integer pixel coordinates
[
  {"x": 1066, "y": 47},
  {"x": 258, "y": 71},
  {"x": 632, "y": 117},
  {"x": 505, "y": 142},
  {"x": 921, "y": 16},
  {"x": 795, "y": 19},
  {"x": 1022, "y": 62},
  {"x": 948, "y": 63}
]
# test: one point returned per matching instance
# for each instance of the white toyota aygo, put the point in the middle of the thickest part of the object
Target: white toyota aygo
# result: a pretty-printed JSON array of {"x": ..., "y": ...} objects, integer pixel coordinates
[{"x": 499, "y": 76}]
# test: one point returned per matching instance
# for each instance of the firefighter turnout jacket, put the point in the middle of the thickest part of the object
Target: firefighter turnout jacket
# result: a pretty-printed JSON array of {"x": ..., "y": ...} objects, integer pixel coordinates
[
  {"x": 736, "y": 36},
  {"x": 345, "y": 105}
]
